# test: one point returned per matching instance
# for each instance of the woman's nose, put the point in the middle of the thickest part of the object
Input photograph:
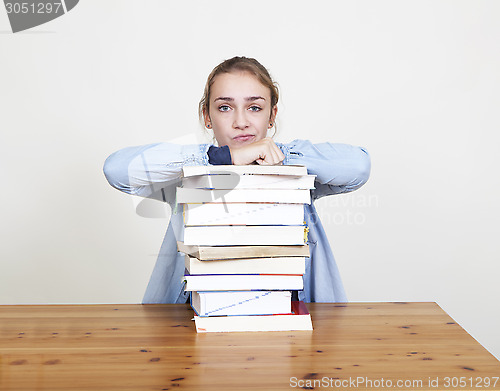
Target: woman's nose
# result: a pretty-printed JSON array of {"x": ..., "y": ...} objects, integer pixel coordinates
[{"x": 240, "y": 120}]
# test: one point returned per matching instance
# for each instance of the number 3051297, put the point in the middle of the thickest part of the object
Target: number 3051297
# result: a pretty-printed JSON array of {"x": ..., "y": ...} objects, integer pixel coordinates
[
  {"x": 32, "y": 8},
  {"x": 463, "y": 381}
]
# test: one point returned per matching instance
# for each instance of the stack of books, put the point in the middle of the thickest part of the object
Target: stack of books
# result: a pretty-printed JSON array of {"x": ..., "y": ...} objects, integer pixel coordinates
[{"x": 244, "y": 240}]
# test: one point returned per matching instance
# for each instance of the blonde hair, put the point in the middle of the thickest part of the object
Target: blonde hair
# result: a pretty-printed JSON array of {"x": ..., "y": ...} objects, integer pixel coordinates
[{"x": 244, "y": 64}]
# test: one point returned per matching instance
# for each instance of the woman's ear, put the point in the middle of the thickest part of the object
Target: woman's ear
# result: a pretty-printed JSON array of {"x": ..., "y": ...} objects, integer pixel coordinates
[
  {"x": 272, "y": 118},
  {"x": 206, "y": 119}
]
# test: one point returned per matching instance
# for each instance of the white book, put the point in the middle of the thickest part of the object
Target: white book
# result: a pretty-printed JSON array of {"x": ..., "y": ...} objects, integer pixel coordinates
[
  {"x": 242, "y": 282},
  {"x": 188, "y": 171},
  {"x": 300, "y": 320},
  {"x": 241, "y": 235},
  {"x": 282, "y": 265},
  {"x": 296, "y": 196},
  {"x": 243, "y": 213},
  {"x": 241, "y": 303},
  {"x": 249, "y": 181}
]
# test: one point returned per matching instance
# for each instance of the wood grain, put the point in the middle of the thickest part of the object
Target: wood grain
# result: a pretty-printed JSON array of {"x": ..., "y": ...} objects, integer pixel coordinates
[{"x": 155, "y": 347}]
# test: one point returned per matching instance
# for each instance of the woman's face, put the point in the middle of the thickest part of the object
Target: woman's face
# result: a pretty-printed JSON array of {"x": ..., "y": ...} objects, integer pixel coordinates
[{"x": 240, "y": 110}]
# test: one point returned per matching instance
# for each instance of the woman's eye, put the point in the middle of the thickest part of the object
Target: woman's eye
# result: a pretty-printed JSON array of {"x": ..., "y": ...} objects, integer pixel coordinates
[
  {"x": 255, "y": 108},
  {"x": 224, "y": 108}
]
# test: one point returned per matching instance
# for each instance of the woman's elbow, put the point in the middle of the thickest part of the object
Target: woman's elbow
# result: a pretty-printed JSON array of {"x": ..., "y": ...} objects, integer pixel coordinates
[
  {"x": 365, "y": 166},
  {"x": 362, "y": 169},
  {"x": 116, "y": 174}
]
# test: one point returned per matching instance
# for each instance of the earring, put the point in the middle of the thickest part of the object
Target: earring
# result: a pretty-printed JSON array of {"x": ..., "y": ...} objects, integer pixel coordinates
[
  {"x": 209, "y": 126},
  {"x": 270, "y": 124}
]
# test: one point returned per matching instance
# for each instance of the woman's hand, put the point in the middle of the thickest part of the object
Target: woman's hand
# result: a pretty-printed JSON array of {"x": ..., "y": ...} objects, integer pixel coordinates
[{"x": 264, "y": 152}]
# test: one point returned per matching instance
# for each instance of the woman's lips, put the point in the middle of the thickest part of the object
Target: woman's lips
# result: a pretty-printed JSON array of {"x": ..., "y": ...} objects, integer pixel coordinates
[{"x": 243, "y": 137}]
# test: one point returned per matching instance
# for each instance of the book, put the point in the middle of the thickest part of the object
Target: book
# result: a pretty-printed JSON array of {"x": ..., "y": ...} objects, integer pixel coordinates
[
  {"x": 241, "y": 303},
  {"x": 243, "y": 213},
  {"x": 188, "y": 171},
  {"x": 278, "y": 265},
  {"x": 237, "y": 252},
  {"x": 235, "y": 235},
  {"x": 192, "y": 196},
  {"x": 248, "y": 181},
  {"x": 229, "y": 213},
  {"x": 242, "y": 282},
  {"x": 300, "y": 319}
]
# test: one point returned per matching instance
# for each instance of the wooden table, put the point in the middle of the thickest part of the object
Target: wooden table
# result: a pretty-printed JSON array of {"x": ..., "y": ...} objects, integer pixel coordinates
[{"x": 155, "y": 347}]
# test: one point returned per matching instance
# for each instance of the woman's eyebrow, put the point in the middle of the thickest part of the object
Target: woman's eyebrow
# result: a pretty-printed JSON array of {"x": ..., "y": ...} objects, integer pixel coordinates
[
  {"x": 224, "y": 98},
  {"x": 248, "y": 99},
  {"x": 252, "y": 98}
]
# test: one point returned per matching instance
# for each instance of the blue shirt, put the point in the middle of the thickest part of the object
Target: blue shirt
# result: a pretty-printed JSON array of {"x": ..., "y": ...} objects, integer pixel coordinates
[{"x": 154, "y": 171}]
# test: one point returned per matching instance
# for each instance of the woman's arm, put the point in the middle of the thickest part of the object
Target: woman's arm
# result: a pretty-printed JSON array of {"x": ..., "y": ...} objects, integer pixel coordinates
[
  {"x": 339, "y": 168},
  {"x": 145, "y": 170}
]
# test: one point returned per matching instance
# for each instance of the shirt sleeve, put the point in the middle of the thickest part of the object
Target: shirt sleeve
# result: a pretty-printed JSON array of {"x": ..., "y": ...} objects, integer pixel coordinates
[
  {"x": 339, "y": 168},
  {"x": 219, "y": 155},
  {"x": 149, "y": 170}
]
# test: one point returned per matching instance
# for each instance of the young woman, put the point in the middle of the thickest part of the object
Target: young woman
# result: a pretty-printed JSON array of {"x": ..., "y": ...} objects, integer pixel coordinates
[{"x": 240, "y": 106}]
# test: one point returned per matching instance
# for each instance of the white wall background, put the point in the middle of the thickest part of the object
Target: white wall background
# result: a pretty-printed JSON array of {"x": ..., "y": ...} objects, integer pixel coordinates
[{"x": 416, "y": 82}]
